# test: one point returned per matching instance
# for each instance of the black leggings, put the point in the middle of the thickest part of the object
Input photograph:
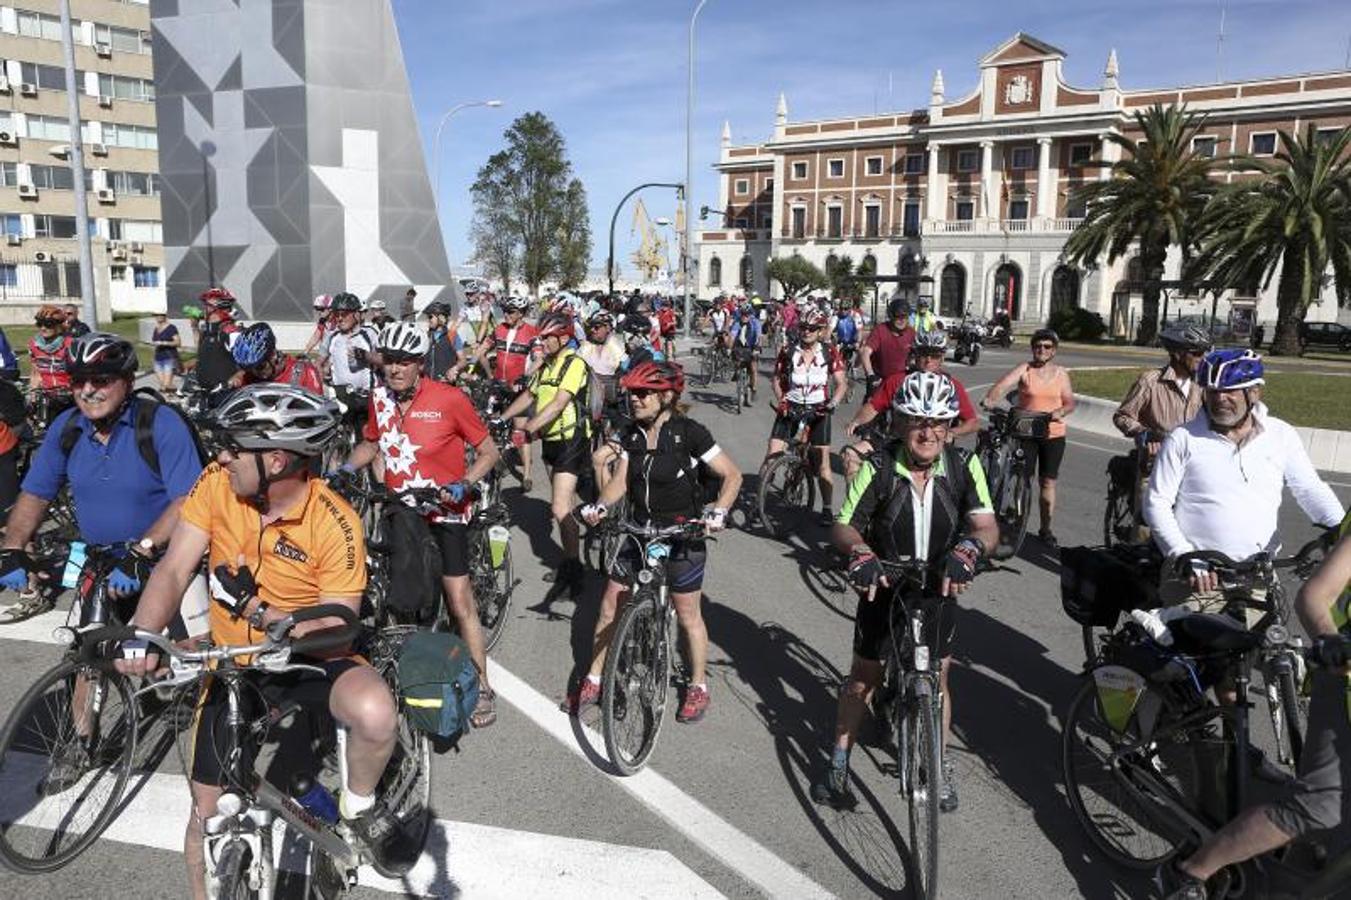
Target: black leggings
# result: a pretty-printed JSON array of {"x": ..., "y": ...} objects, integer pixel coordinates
[{"x": 9, "y": 479}]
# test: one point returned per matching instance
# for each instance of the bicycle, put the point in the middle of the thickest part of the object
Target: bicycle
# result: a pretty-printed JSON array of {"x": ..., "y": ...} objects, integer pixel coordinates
[
  {"x": 743, "y": 359},
  {"x": 1004, "y": 448},
  {"x": 788, "y": 479},
  {"x": 853, "y": 372},
  {"x": 1121, "y": 518},
  {"x": 638, "y": 666},
  {"x": 717, "y": 363}
]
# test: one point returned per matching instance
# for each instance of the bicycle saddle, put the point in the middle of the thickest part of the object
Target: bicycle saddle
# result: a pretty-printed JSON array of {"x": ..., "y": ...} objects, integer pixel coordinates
[{"x": 1207, "y": 632}]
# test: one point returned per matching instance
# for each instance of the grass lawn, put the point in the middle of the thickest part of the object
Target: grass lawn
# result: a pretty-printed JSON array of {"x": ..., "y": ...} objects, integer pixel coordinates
[{"x": 1300, "y": 398}]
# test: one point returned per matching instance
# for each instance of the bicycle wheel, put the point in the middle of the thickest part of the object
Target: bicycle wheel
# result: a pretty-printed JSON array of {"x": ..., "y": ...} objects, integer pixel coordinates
[
  {"x": 706, "y": 365},
  {"x": 786, "y": 489},
  {"x": 636, "y": 682},
  {"x": 1015, "y": 509},
  {"x": 1117, "y": 519},
  {"x": 1130, "y": 829},
  {"x": 492, "y": 586},
  {"x": 1289, "y": 716},
  {"x": 741, "y": 389},
  {"x": 406, "y": 784},
  {"x": 923, "y": 781},
  {"x": 43, "y": 827},
  {"x": 232, "y": 872}
]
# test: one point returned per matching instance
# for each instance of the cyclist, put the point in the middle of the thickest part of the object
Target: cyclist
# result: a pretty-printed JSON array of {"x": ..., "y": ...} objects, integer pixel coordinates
[
  {"x": 215, "y": 366},
  {"x": 887, "y": 350},
  {"x": 474, "y": 322},
  {"x": 1043, "y": 387},
  {"x": 928, "y": 353},
  {"x": 923, "y": 319},
  {"x": 658, "y": 472},
  {"x": 443, "y": 361},
  {"x": 48, "y": 356},
  {"x": 164, "y": 338},
  {"x": 746, "y": 336},
  {"x": 637, "y": 328},
  {"x": 846, "y": 330},
  {"x": 720, "y": 320},
  {"x": 380, "y": 316},
  {"x": 603, "y": 351},
  {"x": 515, "y": 351},
  {"x": 666, "y": 325},
  {"x": 933, "y": 506},
  {"x": 74, "y": 327},
  {"x": 256, "y": 354},
  {"x": 809, "y": 374},
  {"x": 1217, "y": 481},
  {"x": 421, "y": 428},
  {"x": 255, "y": 512},
  {"x": 557, "y": 389},
  {"x": 350, "y": 353},
  {"x": 323, "y": 327},
  {"x": 9, "y": 360}
]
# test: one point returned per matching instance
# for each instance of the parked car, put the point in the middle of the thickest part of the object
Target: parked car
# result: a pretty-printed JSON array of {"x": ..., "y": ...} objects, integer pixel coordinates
[{"x": 1324, "y": 334}]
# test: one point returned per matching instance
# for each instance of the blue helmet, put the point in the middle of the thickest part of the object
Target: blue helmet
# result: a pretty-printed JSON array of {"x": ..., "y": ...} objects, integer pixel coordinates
[
  {"x": 1230, "y": 369},
  {"x": 255, "y": 346}
]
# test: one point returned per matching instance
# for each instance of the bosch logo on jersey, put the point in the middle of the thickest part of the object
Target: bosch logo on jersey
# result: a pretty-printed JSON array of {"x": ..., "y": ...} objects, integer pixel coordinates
[
  {"x": 289, "y": 550},
  {"x": 431, "y": 415}
]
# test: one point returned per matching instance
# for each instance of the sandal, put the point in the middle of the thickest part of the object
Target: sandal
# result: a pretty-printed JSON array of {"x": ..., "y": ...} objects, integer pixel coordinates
[{"x": 485, "y": 713}]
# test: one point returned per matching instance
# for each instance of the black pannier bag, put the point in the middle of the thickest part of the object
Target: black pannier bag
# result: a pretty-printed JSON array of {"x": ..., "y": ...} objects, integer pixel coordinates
[
  {"x": 414, "y": 563},
  {"x": 1121, "y": 470},
  {"x": 1097, "y": 585}
]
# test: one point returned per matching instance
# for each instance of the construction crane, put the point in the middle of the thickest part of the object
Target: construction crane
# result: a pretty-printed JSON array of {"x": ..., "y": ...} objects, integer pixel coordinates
[{"x": 650, "y": 258}]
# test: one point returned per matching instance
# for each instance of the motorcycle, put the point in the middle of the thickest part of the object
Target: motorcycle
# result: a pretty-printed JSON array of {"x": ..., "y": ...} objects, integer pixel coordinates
[
  {"x": 998, "y": 332},
  {"x": 967, "y": 338}
]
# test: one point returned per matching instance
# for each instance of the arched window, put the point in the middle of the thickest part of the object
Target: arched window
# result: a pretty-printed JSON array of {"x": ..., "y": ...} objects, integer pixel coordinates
[
  {"x": 1064, "y": 289},
  {"x": 715, "y": 272},
  {"x": 952, "y": 291},
  {"x": 908, "y": 267},
  {"x": 1135, "y": 274},
  {"x": 747, "y": 272},
  {"x": 868, "y": 263},
  {"x": 1008, "y": 290}
]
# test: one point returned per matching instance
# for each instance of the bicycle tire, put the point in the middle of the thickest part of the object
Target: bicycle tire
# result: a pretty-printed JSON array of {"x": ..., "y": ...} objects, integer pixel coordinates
[
  {"x": 22, "y": 768},
  {"x": 405, "y": 784},
  {"x": 1120, "y": 825},
  {"x": 1117, "y": 518},
  {"x": 232, "y": 872},
  {"x": 924, "y": 755},
  {"x": 636, "y": 682},
  {"x": 492, "y": 586},
  {"x": 1295, "y": 711},
  {"x": 1015, "y": 510},
  {"x": 740, "y": 390},
  {"x": 706, "y": 365},
  {"x": 786, "y": 487}
]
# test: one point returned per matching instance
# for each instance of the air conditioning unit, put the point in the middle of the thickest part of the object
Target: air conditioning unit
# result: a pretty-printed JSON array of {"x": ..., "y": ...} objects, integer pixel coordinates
[
  {"x": 8, "y": 139},
  {"x": 136, "y": 259},
  {"x": 104, "y": 50},
  {"x": 106, "y": 101},
  {"x": 28, "y": 191},
  {"x": 119, "y": 254},
  {"x": 136, "y": 247},
  {"x": 14, "y": 240},
  {"x": 106, "y": 195},
  {"x": 42, "y": 256},
  {"x": 28, "y": 89},
  {"x": 4, "y": 85},
  {"x": 98, "y": 149}
]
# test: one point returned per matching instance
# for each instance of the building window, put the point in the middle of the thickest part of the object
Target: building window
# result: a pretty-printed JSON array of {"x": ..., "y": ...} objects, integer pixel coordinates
[
  {"x": 872, "y": 220},
  {"x": 1075, "y": 207},
  {"x": 126, "y": 88},
  {"x": 9, "y": 174},
  {"x": 9, "y": 275},
  {"x": 799, "y": 170},
  {"x": 38, "y": 25},
  {"x": 142, "y": 231},
  {"x": 1325, "y": 136},
  {"x": 747, "y": 272},
  {"x": 1080, "y": 154},
  {"x": 6, "y": 120},
  {"x": 122, "y": 40},
  {"x": 835, "y": 168},
  {"x": 967, "y": 160},
  {"x": 1204, "y": 146},
  {"x": 1021, "y": 158},
  {"x": 799, "y": 218},
  {"x": 766, "y": 220},
  {"x": 914, "y": 164},
  {"x": 739, "y": 222},
  {"x": 834, "y": 221},
  {"x": 52, "y": 178},
  {"x": 715, "y": 272},
  {"x": 48, "y": 128},
  {"x": 145, "y": 277},
  {"x": 1018, "y": 210},
  {"x": 742, "y": 186},
  {"x": 769, "y": 185},
  {"x": 134, "y": 184},
  {"x": 48, "y": 78},
  {"x": 872, "y": 165},
  {"x": 136, "y": 137},
  {"x": 966, "y": 210},
  {"x": 910, "y": 218},
  {"x": 1262, "y": 143},
  {"x": 11, "y": 223},
  {"x": 62, "y": 227}
]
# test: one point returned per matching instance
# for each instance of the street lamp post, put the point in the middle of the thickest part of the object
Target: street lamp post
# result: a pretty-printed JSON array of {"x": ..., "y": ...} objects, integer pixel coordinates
[
  {"x": 436, "y": 146},
  {"x": 689, "y": 169},
  {"x": 77, "y": 170},
  {"x": 610, "y": 260}
]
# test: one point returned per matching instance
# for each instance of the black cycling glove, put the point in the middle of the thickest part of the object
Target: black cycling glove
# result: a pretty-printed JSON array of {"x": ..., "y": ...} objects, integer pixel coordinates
[
  {"x": 864, "y": 570},
  {"x": 873, "y": 383},
  {"x": 1331, "y": 651},
  {"x": 233, "y": 589},
  {"x": 960, "y": 565}
]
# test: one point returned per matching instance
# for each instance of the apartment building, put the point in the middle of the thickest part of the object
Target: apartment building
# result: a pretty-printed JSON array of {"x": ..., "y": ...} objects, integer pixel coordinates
[
  {"x": 39, "y": 256},
  {"x": 976, "y": 192}
]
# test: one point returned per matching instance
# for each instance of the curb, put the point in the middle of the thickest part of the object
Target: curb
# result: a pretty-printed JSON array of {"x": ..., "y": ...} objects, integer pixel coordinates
[{"x": 1329, "y": 450}]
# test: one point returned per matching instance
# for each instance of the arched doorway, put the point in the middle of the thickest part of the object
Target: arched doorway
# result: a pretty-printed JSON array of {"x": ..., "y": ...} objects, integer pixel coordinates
[
  {"x": 1064, "y": 289},
  {"x": 747, "y": 272},
  {"x": 952, "y": 291},
  {"x": 1008, "y": 290},
  {"x": 715, "y": 272}
]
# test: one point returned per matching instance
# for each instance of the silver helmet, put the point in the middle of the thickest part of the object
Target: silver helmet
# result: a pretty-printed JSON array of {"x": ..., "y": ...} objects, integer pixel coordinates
[{"x": 272, "y": 416}]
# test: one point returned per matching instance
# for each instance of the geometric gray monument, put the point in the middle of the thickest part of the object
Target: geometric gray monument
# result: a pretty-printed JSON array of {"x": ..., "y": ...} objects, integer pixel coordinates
[{"x": 290, "y": 158}]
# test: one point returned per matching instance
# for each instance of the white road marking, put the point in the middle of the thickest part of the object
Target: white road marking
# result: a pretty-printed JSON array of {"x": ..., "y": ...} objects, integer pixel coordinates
[
  {"x": 738, "y": 851},
  {"x": 37, "y": 630}
]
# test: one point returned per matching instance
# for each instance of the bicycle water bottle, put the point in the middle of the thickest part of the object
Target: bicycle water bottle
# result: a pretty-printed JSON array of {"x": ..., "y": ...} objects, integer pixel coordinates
[
  {"x": 70, "y": 575},
  {"x": 316, "y": 798}
]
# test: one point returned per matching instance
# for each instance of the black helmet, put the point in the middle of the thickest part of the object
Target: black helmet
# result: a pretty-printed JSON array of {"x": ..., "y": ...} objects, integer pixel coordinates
[
  {"x": 100, "y": 353},
  {"x": 636, "y": 324},
  {"x": 346, "y": 302},
  {"x": 1180, "y": 336},
  {"x": 1045, "y": 334},
  {"x": 436, "y": 308},
  {"x": 897, "y": 307}
]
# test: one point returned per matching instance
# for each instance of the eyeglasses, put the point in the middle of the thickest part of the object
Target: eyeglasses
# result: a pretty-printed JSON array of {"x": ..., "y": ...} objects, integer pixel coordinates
[
  {"x": 1043, "y": 346},
  {"x": 50, "y": 323},
  {"x": 642, "y": 393},
  {"x": 98, "y": 382},
  {"x": 927, "y": 424}
]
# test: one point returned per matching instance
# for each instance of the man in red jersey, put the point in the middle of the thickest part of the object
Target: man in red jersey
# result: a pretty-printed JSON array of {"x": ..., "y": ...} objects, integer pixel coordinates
[{"x": 514, "y": 347}]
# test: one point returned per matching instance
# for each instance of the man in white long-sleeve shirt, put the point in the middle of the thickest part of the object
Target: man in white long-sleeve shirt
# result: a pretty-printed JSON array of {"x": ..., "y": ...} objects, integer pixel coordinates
[{"x": 1217, "y": 481}]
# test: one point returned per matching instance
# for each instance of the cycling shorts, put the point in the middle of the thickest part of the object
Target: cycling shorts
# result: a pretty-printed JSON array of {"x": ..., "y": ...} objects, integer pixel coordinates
[
  {"x": 684, "y": 567},
  {"x": 570, "y": 456},
  {"x": 818, "y": 434},
  {"x": 848, "y": 350},
  {"x": 872, "y": 623},
  {"x": 1314, "y": 801},
  {"x": 211, "y": 734},
  {"x": 453, "y": 539},
  {"x": 743, "y": 355},
  {"x": 1050, "y": 452}
]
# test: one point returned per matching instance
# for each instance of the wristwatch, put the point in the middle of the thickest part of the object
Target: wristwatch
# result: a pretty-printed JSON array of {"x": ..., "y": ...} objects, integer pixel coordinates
[
  {"x": 256, "y": 617},
  {"x": 146, "y": 546}
]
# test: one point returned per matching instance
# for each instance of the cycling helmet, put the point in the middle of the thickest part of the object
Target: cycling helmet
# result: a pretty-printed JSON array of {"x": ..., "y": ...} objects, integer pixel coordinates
[
  {"x": 813, "y": 317},
  {"x": 436, "y": 308},
  {"x": 255, "y": 346},
  {"x": 50, "y": 314},
  {"x": 923, "y": 303},
  {"x": 515, "y": 304},
  {"x": 637, "y": 325},
  {"x": 933, "y": 340},
  {"x": 323, "y": 302},
  {"x": 926, "y": 395},
  {"x": 655, "y": 376},
  {"x": 897, "y": 308},
  {"x": 100, "y": 353},
  {"x": 600, "y": 319},
  {"x": 278, "y": 417},
  {"x": 1230, "y": 369},
  {"x": 1045, "y": 334},
  {"x": 403, "y": 339},
  {"x": 346, "y": 302},
  {"x": 556, "y": 325},
  {"x": 218, "y": 298},
  {"x": 379, "y": 305},
  {"x": 1184, "y": 337}
]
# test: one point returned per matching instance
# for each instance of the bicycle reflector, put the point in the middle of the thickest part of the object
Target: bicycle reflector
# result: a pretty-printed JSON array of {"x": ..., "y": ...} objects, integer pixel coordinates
[{"x": 64, "y": 635}]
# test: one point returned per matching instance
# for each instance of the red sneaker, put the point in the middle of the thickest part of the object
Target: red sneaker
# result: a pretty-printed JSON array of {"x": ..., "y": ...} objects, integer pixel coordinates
[
  {"x": 587, "y": 694},
  {"x": 695, "y": 705}
]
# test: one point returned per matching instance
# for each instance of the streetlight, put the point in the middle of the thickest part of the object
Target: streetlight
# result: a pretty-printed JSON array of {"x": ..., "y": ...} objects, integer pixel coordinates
[
  {"x": 689, "y": 169},
  {"x": 436, "y": 146},
  {"x": 610, "y": 260}
]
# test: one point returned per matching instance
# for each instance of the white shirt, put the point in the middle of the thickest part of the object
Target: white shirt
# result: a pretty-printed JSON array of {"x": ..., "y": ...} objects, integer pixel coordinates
[
  {"x": 345, "y": 370},
  {"x": 1208, "y": 494}
]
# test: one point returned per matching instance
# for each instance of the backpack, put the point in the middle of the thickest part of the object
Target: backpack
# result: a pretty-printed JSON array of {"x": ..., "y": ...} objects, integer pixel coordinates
[
  {"x": 148, "y": 402},
  {"x": 438, "y": 684},
  {"x": 13, "y": 412},
  {"x": 948, "y": 490},
  {"x": 846, "y": 329},
  {"x": 215, "y": 365},
  {"x": 707, "y": 482},
  {"x": 414, "y": 563},
  {"x": 590, "y": 401}
]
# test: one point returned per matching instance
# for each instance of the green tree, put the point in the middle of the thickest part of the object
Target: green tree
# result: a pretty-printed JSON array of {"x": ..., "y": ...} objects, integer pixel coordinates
[
  {"x": 795, "y": 275},
  {"x": 1295, "y": 216},
  {"x": 528, "y": 191},
  {"x": 495, "y": 244},
  {"x": 1156, "y": 191}
]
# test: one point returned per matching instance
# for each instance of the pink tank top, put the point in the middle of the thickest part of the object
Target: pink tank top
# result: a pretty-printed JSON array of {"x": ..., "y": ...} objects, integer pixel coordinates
[{"x": 1037, "y": 394}]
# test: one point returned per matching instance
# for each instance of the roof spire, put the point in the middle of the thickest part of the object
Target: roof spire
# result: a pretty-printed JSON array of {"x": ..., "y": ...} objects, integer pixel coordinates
[
  {"x": 726, "y": 133},
  {"x": 936, "y": 91},
  {"x": 1109, "y": 74}
]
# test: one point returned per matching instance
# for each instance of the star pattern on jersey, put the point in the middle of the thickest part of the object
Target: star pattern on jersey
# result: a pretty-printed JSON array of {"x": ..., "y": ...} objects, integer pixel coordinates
[
  {"x": 399, "y": 452},
  {"x": 384, "y": 408}
]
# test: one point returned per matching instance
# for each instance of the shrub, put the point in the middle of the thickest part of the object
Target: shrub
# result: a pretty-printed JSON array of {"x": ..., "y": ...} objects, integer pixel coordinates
[{"x": 1077, "y": 324}]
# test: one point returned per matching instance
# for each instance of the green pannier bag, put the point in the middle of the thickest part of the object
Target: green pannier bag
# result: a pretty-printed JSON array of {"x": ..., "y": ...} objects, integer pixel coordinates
[{"x": 438, "y": 683}]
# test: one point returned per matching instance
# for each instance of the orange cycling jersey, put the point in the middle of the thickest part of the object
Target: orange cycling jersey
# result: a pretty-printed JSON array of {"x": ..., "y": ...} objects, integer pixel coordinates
[{"x": 317, "y": 550}]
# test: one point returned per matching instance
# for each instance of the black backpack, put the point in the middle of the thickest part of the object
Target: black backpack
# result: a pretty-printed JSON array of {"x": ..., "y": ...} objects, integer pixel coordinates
[
  {"x": 215, "y": 365},
  {"x": 148, "y": 402},
  {"x": 414, "y": 564},
  {"x": 948, "y": 490}
]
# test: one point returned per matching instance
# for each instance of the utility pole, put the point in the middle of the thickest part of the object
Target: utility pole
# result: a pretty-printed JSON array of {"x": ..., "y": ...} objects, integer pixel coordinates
[
  {"x": 90, "y": 313},
  {"x": 689, "y": 174}
]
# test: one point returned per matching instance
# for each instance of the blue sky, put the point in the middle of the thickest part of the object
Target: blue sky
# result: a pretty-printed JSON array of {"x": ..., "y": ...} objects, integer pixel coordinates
[{"x": 611, "y": 73}]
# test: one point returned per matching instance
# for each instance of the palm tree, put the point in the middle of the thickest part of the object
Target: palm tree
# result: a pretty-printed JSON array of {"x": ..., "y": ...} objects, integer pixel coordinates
[
  {"x": 1156, "y": 190},
  {"x": 1294, "y": 216}
]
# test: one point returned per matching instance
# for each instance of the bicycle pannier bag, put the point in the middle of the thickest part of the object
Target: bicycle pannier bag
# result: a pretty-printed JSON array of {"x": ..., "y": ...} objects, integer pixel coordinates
[
  {"x": 414, "y": 563},
  {"x": 1031, "y": 426},
  {"x": 1097, "y": 585},
  {"x": 438, "y": 684},
  {"x": 1121, "y": 470}
]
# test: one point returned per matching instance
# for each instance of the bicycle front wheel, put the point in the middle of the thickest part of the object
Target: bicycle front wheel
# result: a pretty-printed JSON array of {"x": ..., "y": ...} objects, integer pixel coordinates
[
  {"x": 492, "y": 586},
  {"x": 65, "y": 754},
  {"x": 636, "y": 683},
  {"x": 232, "y": 872},
  {"x": 787, "y": 489},
  {"x": 1117, "y": 519},
  {"x": 922, "y": 783},
  {"x": 1015, "y": 509}
]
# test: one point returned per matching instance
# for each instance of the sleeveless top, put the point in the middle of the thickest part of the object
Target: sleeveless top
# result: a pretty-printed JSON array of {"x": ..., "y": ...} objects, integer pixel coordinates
[{"x": 1036, "y": 394}]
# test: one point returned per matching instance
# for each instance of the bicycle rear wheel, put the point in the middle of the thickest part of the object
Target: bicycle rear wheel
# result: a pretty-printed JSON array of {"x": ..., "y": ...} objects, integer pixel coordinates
[
  {"x": 921, "y": 784},
  {"x": 1015, "y": 509},
  {"x": 636, "y": 683},
  {"x": 787, "y": 489},
  {"x": 406, "y": 784},
  {"x": 1118, "y": 521},
  {"x": 44, "y": 827}
]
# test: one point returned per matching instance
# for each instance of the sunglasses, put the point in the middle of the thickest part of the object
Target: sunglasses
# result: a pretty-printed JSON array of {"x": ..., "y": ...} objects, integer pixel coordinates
[
  {"x": 642, "y": 393},
  {"x": 927, "y": 424},
  {"x": 97, "y": 382},
  {"x": 50, "y": 323},
  {"x": 1196, "y": 353},
  {"x": 1043, "y": 346}
]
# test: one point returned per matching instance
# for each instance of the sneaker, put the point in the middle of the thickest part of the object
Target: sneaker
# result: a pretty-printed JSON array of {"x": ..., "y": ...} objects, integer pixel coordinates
[
  {"x": 695, "y": 705},
  {"x": 1048, "y": 538},
  {"x": 384, "y": 841},
  {"x": 833, "y": 790},
  {"x": 68, "y": 767},
  {"x": 587, "y": 694},
  {"x": 947, "y": 793},
  {"x": 1174, "y": 884}
]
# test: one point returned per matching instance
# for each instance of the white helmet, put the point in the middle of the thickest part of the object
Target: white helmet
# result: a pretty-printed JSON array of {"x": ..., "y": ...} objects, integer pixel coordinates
[
  {"x": 933, "y": 339},
  {"x": 926, "y": 395},
  {"x": 379, "y": 305},
  {"x": 403, "y": 338},
  {"x": 271, "y": 416}
]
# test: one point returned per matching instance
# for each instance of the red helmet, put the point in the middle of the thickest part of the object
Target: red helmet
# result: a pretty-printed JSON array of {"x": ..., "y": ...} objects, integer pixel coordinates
[
  {"x": 218, "y": 297},
  {"x": 556, "y": 325},
  {"x": 813, "y": 317},
  {"x": 655, "y": 376}
]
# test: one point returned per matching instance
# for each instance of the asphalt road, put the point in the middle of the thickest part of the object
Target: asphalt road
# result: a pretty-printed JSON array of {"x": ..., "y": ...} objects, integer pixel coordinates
[{"x": 723, "y": 808}]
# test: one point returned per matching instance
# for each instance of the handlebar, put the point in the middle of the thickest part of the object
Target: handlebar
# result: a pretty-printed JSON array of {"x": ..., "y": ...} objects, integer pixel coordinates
[
  {"x": 1302, "y": 560},
  {"x": 650, "y": 532}
]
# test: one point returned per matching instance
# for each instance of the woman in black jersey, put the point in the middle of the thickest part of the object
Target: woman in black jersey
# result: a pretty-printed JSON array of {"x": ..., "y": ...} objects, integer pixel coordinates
[{"x": 658, "y": 470}]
